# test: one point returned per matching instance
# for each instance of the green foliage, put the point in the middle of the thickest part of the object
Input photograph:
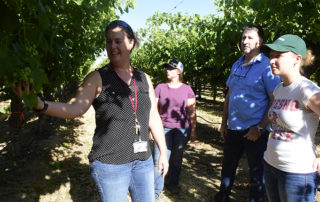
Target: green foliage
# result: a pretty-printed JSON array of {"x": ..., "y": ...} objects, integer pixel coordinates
[
  {"x": 42, "y": 40},
  {"x": 208, "y": 46},
  {"x": 51, "y": 40},
  {"x": 280, "y": 17}
]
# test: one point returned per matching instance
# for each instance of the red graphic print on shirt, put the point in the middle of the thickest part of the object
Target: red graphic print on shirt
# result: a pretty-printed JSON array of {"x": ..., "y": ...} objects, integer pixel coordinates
[
  {"x": 280, "y": 128},
  {"x": 285, "y": 104}
]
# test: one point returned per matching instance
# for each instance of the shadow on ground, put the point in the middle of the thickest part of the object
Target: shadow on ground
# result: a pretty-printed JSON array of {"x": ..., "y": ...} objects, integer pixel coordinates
[
  {"x": 200, "y": 177},
  {"x": 30, "y": 171},
  {"x": 44, "y": 167}
]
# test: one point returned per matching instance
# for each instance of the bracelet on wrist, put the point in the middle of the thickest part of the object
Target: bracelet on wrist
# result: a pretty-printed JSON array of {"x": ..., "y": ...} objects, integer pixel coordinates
[{"x": 45, "y": 107}]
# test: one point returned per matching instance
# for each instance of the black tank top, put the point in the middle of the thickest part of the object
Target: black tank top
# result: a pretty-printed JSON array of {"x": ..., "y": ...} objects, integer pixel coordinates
[{"x": 115, "y": 133}]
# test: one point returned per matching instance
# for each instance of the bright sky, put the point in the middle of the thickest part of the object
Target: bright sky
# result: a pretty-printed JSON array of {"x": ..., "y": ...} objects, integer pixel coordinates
[{"x": 144, "y": 9}]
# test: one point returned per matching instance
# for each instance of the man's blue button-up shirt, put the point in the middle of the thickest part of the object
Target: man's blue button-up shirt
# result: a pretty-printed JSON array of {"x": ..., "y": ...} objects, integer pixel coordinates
[{"x": 249, "y": 88}]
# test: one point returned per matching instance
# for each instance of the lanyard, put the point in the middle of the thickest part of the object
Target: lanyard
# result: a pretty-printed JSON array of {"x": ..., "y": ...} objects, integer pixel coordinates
[{"x": 134, "y": 105}]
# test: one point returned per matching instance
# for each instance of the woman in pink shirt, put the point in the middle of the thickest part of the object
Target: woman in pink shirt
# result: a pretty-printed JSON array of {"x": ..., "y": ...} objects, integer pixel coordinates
[{"x": 177, "y": 109}]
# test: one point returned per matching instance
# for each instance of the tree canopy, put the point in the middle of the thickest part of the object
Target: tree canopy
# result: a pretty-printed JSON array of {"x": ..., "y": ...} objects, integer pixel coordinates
[
  {"x": 51, "y": 43},
  {"x": 209, "y": 45}
]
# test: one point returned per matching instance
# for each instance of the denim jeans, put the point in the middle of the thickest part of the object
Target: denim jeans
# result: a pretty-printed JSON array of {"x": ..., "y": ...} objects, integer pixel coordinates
[
  {"x": 235, "y": 145},
  {"x": 289, "y": 187},
  {"x": 113, "y": 181},
  {"x": 176, "y": 140}
]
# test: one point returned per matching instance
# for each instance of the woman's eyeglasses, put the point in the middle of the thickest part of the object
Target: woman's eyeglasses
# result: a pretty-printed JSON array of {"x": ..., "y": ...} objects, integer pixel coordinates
[{"x": 236, "y": 73}]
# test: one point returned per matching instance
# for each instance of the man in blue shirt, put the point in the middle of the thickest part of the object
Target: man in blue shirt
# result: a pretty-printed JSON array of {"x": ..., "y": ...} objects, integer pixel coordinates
[{"x": 244, "y": 121}]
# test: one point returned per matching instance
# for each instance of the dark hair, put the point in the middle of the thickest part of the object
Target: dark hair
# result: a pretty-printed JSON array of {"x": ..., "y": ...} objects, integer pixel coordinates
[
  {"x": 254, "y": 26},
  {"x": 126, "y": 27}
]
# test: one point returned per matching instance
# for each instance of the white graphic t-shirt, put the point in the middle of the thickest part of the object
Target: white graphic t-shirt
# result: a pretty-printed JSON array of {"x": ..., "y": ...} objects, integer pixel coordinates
[{"x": 291, "y": 144}]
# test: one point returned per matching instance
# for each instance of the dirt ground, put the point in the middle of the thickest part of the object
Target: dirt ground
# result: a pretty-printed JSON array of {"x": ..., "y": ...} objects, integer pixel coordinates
[{"x": 54, "y": 165}]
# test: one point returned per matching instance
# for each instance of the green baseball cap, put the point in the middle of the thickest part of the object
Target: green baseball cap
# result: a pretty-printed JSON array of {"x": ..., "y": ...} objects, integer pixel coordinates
[{"x": 289, "y": 42}]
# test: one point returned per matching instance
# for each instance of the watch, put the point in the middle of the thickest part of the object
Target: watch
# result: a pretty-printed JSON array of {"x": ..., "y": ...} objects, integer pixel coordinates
[{"x": 260, "y": 129}]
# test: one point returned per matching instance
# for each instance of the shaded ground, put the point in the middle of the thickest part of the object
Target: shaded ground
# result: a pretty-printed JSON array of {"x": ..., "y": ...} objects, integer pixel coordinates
[{"x": 53, "y": 166}]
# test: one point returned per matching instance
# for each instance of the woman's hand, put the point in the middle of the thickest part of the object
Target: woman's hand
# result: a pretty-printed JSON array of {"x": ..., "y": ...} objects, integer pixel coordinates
[
  {"x": 25, "y": 87},
  {"x": 18, "y": 88},
  {"x": 163, "y": 164}
]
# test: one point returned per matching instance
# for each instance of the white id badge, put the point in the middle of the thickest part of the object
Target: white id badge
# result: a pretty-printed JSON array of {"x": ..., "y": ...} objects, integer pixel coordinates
[{"x": 140, "y": 146}]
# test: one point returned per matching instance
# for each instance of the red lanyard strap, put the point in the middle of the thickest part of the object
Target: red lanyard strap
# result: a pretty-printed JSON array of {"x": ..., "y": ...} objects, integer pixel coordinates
[{"x": 134, "y": 105}]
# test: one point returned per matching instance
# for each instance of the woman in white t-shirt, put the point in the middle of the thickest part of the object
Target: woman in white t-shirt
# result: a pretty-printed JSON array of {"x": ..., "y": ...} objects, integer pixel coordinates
[{"x": 291, "y": 164}]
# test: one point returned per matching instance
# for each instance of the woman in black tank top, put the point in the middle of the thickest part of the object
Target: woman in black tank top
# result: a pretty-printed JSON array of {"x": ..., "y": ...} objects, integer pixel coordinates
[{"x": 125, "y": 104}]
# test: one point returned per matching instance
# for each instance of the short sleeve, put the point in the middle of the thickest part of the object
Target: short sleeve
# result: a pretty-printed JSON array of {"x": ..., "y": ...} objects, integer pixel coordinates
[
  {"x": 157, "y": 91},
  {"x": 270, "y": 81},
  {"x": 308, "y": 89},
  {"x": 190, "y": 93}
]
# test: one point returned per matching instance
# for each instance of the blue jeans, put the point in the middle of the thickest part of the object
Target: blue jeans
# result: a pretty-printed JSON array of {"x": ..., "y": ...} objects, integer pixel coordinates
[
  {"x": 113, "y": 181},
  {"x": 289, "y": 187},
  {"x": 176, "y": 140},
  {"x": 235, "y": 145}
]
